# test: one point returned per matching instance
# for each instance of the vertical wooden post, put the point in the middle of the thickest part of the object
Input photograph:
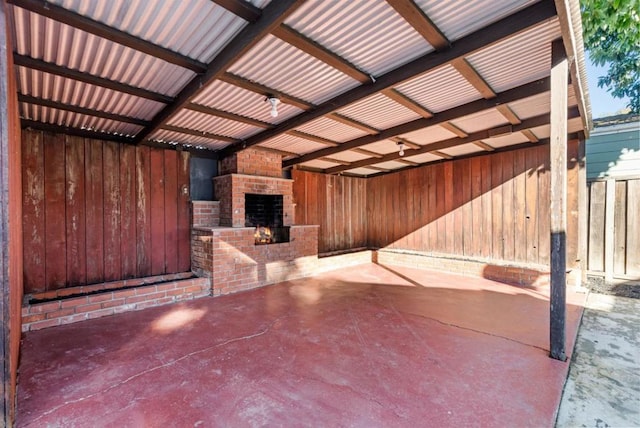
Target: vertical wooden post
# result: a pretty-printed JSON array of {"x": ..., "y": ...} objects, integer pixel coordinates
[
  {"x": 558, "y": 198},
  {"x": 609, "y": 227}
]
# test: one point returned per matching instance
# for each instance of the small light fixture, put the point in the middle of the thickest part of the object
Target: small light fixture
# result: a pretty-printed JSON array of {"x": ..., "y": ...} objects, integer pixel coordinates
[
  {"x": 400, "y": 148},
  {"x": 274, "y": 101}
]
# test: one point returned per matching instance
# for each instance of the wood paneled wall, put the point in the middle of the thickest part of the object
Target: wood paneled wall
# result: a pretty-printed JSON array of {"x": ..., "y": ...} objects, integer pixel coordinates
[
  {"x": 10, "y": 226},
  {"x": 97, "y": 211},
  {"x": 337, "y": 204},
  {"x": 494, "y": 206}
]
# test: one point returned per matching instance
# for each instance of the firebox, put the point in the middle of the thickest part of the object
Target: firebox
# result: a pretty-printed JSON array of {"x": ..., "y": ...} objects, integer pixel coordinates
[{"x": 265, "y": 213}]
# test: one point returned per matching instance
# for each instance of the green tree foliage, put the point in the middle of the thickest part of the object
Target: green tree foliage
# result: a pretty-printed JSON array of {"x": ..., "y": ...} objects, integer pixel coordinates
[{"x": 612, "y": 36}]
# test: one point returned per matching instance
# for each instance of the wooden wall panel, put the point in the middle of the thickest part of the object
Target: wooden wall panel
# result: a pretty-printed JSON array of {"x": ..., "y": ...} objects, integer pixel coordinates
[
  {"x": 337, "y": 204},
  {"x": 88, "y": 211}
]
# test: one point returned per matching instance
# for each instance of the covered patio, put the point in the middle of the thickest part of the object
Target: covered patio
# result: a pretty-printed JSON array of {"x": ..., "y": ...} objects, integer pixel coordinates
[{"x": 248, "y": 213}]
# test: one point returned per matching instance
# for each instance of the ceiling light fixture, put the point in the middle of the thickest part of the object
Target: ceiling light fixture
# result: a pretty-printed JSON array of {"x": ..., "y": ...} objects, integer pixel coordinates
[
  {"x": 400, "y": 148},
  {"x": 274, "y": 101}
]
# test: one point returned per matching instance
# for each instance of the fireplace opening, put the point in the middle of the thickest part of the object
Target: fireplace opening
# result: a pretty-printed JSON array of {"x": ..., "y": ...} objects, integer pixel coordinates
[{"x": 265, "y": 213}]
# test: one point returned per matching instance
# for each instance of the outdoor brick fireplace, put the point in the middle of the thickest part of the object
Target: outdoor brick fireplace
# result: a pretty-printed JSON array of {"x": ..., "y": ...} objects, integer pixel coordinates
[{"x": 229, "y": 245}]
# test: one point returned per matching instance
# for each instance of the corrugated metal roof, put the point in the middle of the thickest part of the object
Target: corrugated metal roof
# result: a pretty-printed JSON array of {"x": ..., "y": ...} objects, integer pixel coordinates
[
  {"x": 457, "y": 19},
  {"x": 287, "y": 69},
  {"x": 75, "y": 120},
  {"x": 537, "y": 104},
  {"x": 440, "y": 89},
  {"x": 233, "y": 99},
  {"x": 480, "y": 121},
  {"x": 188, "y": 140},
  {"x": 68, "y": 91},
  {"x": 349, "y": 156},
  {"x": 380, "y": 112},
  {"x": 368, "y": 33},
  {"x": 429, "y": 135},
  {"x": 321, "y": 164},
  {"x": 423, "y": 158},
  {"x": 195, "y": 28},
  {"x": 390, "y": 165},
  {"x": 54, "y": 42},
  {"x": 362, "y": 171},
  {"x": 331, "y": 130},
  {"x": 191, "y": 119},
  {"x": 462, "y": 150},
  {"x": 573, "y": 125},
  {"x": 518, "y": 60},
  {"x": 506, "y": 140},
  {"x": 291, "y": 143},
  {"x": 383, "y": 147}
]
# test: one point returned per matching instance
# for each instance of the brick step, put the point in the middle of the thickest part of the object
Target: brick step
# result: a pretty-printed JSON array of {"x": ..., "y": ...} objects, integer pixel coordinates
[{"x": 43, "y": 310}]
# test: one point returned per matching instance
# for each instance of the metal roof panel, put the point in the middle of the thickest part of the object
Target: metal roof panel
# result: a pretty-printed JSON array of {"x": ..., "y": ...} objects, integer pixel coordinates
[
  {"x": 191, "y": 119},
  {"x": 291, "y": 143},
  {"x": 331, "y": 130},
  {"x": 480, "y": 121},
  {"x": 379, "y": 112}
]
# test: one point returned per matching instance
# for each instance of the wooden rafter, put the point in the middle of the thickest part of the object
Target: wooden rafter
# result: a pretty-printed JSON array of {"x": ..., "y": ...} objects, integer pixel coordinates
[
  {"x": 85, "y": 133},
  {"x": 402, "y": 99},
  {"x": 294, "y": 38},
  {"x": 80, "y": 110},
  {"x": 407, "y": 162},
  {"x": 406, "y": 142},
  {"x": 530, "y": 135},
  {"x": 272, "y": 16},
  {"x": 440, "y": 154},
  {"x": 453, "y": 129},
  {"x": 196, "y": 133},
  {"x": 264, "y": 90},
  {"x": 526, "y": 90},
  {"x": 241, "y": 8},
  {"x": 368, "y": 153},
  {"x": 451, "y": 142},
  {"x": 420, "y": 22},
  {"x": 375, "y": 168},
  {"x": 69, "y": 73},
  {"x": 473, "y": 77},
  {"x": 508, "y": 114},
  {"x": 60, "y": 14},
  {"x": 353, "y": 123},
  {"x": 341, "y": 162},
  {"x": 226, "y": 115},
  {"x": 481, "y": 39},
  {"x": 484, "y": 146},
  {"x": 313, "y": 138}
]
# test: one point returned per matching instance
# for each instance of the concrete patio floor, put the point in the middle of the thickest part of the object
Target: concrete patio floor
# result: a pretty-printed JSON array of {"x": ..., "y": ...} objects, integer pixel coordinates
[{"x": 364, "y": 346}]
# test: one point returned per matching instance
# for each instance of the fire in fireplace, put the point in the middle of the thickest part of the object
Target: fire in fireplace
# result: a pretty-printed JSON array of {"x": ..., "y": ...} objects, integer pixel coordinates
[{"x": 265, "y": 213}]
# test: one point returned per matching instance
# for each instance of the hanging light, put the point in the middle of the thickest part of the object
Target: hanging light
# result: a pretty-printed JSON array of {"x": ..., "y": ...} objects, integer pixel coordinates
[
  {"x": 400, "y": 148},
  {"x": 274, "y": 101}
]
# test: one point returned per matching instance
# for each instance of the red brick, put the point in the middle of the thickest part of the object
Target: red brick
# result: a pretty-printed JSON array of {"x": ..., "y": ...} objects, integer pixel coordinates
[
  {"x": 100, "y": 297},
  {"x": 60, "y": 313},
  {"x": 44, "y": 307},
  {"x": 43, "y": 324},
  {"x": 88, "y": 308},
  {"x": 100, "y": 313},
  {"x": 33, "y": 318},
  {"x": 73, "y": 318},
  {"x": 76, "y": 301}
]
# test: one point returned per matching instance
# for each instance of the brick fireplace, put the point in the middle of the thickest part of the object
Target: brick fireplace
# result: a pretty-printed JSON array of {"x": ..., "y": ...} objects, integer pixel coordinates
[{"x": 223, "y": 244}]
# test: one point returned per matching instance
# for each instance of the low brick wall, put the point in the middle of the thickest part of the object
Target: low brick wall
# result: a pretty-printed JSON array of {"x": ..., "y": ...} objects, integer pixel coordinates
[
  {"x": 106, "y": 299},
  {"x": 509, "y": 273},
  {"x": 205, "y": 213}
]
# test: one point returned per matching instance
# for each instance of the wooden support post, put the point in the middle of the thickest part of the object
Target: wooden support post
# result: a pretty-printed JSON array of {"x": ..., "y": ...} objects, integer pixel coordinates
[
  {"x": 609, "y": 228},
  {"x": 558, "y": 198}
]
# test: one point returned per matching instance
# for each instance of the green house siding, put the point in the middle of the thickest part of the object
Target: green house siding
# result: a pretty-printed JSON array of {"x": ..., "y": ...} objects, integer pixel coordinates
[{"x": 614, "y": 151}]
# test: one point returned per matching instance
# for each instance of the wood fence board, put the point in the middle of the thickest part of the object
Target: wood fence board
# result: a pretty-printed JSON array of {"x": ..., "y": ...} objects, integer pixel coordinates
[
  {"x": 544, "y": 216},
  {"x": 94, "y": 210},
  {"x": 487, "y": 219},
  {"x": 496, "y": 207},
  {"x": 596, "y": 226},
  {"x": 75, "y": 212},
  {"x": 519, "y": 206},
  {"x": 508, "y": 219},
  {"x": 55, "y": 205},
  {"x": 620, "y": 229},
  {"x": 128, "y": 218},
  {"x": 532, "y": 165},
  {"x": 143, "y": 210},
  {"x": 633, "y": 222},
  {"x": 112, "y": 233},
  {"x": 184, "y": 213},
  {"x": 157, "y": 204},
  {"x": 171, "y": 210},
  {"x": 33, "y": 212}
]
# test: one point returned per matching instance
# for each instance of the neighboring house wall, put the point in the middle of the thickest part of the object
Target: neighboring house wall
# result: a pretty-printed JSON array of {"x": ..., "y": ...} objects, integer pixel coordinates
[{"x": 614, "y": 151}]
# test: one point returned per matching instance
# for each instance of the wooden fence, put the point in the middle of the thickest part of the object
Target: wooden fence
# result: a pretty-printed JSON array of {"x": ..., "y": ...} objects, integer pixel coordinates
[
  {"x": 111, "y": 211},
  {"x": 614, "y": 228}
]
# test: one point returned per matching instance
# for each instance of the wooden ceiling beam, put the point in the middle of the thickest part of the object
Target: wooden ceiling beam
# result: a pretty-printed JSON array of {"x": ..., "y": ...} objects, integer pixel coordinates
[
  {"x": 241, "y": 8},
  {"x": 508, "y": 114},
  {"x": 243, "y": 83},
  {"x": 368, "y": 153},
  {"x": 51, "y": 68},
  {"x": 84, "y": 133},
  {"x": 440, "y": 154},
  {"x": 420, "y": 22},
  {"x": 525, "y": 18},
  {"x": 80, "y": 110},
  {"x": 65, "y": 16},
  {"x": 451, "y": 142},
  {"x": 375, "y": 168},
  {"x": 305, "y": 44},
  {"x": 271, "y": 17},
  {"x": 196, "y": 133},
  {"x": 226, "y": 115},
  {"x": 407, "y": 162},
  {"x": 407, "y": 102},
  {"x": 341, "y": 162},
  {"x": 524, "y": 91},
  {"x": 473, "y": 77},
  {"x": 406, "y": 142}
]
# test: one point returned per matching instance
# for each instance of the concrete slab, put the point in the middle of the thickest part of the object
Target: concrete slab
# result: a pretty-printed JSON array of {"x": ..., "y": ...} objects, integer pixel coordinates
[
  {"x": 603, "y": 388},
  {"x": 361, "y": 347}
]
